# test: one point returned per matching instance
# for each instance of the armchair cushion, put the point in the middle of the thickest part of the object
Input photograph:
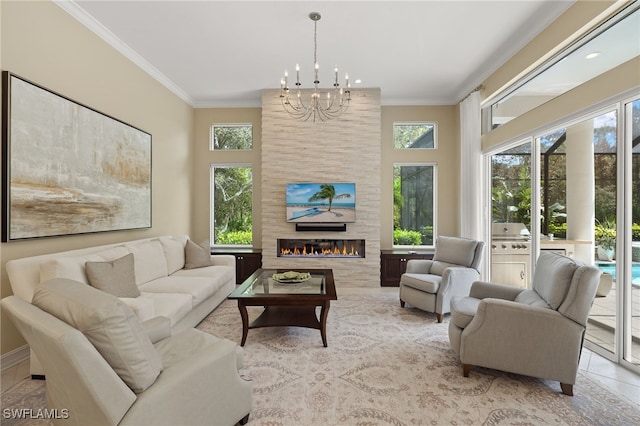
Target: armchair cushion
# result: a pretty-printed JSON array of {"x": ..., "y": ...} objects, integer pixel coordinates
[
  {"x": 424, "y": 282},
  {"x": 553, "y": 277},
  {"x": 531, "y": 298},
  {"x": 439, "y": 267},
  {"x": 108, "y": 324},
  {"x": 463, "y": 309},
  {"x": 459, "y": 251}
]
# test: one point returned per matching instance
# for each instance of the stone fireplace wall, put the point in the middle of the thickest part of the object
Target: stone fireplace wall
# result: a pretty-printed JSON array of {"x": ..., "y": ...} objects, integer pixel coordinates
[{"x": 347, "y": 149}]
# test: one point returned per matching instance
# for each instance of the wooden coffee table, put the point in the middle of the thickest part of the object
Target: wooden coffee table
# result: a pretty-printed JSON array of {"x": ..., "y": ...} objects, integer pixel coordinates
[{"x": 286, "y": 304}]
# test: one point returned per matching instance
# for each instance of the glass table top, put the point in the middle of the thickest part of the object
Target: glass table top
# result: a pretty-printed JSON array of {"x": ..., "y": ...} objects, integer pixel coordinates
[{"x": 271, "y": 281}]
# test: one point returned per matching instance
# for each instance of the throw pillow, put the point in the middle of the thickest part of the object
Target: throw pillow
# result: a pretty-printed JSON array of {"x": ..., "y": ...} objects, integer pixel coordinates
[
  {"x": 196, "y": 256},
  {"x": 116, "y": 277},
  {"x": 108, "y": 324}
]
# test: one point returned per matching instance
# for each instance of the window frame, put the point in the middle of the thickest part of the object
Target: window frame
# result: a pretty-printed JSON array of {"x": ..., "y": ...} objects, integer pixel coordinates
[
  {"x": 212, "y": 134},
  {"x": 434, "y": 196},
  {"x": 415, "y": 123},
  {"x": 212, "y": 168}
]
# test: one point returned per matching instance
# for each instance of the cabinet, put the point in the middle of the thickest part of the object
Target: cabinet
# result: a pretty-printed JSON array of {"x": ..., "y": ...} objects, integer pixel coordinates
[
  {"x": 393, "y": 263},
  {"x": 247, "y": 261}
]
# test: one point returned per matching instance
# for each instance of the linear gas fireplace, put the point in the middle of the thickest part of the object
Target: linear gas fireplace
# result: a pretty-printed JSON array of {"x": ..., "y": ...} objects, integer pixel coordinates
[{"x": 320, "y": 248}]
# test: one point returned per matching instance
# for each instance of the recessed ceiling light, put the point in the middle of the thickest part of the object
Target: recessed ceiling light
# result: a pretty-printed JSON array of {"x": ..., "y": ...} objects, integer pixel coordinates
[
  {"x": 592, "y": 55},
  {"x": 358, "y": 81}
]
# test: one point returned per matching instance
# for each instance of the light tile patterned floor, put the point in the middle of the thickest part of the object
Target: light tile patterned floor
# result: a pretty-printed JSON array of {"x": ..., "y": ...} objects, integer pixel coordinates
[{"x": 602, "y": 322}]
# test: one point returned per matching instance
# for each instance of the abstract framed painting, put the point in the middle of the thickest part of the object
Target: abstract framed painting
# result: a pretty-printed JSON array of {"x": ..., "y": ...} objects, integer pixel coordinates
[{"x": 67, "y": 168}]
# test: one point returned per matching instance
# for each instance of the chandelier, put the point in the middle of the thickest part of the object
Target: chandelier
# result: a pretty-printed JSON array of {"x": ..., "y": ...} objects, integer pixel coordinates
[{"x": 323, "y": 106}]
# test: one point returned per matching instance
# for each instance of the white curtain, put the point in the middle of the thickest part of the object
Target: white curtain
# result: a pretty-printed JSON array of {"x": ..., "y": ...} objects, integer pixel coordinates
[{"x": 471, "y": 174}]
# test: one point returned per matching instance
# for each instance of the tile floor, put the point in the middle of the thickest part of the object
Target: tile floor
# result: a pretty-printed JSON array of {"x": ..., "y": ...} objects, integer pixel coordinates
[{"x": 602, "y": 322}]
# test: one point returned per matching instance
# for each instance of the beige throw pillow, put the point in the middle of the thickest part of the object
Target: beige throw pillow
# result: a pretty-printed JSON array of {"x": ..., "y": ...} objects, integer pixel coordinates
[
  {"x": 108, "y": 324},
  {"x": 196, "y": 256},
  {"x": 116, "y": 277}
]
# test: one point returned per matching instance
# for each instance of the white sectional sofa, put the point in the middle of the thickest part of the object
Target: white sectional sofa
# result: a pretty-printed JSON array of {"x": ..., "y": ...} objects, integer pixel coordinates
[{"x": 185, "y": 295}]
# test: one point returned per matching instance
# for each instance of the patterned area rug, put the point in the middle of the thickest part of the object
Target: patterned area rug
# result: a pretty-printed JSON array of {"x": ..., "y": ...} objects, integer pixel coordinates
[{"x": 384, "y": 365}]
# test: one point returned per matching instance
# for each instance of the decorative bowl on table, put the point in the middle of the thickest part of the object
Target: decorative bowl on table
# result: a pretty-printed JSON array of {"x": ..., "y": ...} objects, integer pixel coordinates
[{"x": 291, "y": 277}]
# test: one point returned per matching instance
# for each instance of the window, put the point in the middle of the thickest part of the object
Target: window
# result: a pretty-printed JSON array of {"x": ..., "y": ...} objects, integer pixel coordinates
[
  {"x": 232, "y": 201},
  {"x": 414, "y": 135},
  {"x": 231, "y": 136},
  {"x": 413, "y": 204}
]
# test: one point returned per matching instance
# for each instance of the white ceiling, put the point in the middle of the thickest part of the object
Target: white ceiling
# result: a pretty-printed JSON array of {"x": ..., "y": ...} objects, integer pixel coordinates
[{"x": 223, "y": 53}]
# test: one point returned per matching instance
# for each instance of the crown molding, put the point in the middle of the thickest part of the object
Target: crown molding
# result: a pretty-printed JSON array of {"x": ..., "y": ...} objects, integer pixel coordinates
[{"x": 78, "y": 13}]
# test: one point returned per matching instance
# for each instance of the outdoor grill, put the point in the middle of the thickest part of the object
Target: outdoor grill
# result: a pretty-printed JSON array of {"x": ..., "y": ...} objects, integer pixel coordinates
[{"x": 510, "y": 254}]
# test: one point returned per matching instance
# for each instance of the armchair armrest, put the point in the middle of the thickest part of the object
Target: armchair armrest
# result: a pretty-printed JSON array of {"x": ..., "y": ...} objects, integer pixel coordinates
[
  {"x": 484, "y": 290},
  {"x": 157, "y": 328},
  {"x": 419, "y": 266}
]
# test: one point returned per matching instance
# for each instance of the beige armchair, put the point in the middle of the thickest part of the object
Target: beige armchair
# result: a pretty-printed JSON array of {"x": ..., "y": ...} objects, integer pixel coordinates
[
  {"x": 103, "y": 367},
  {"x": 536, "y": 332},
  {"x": 430, "y": 284}
]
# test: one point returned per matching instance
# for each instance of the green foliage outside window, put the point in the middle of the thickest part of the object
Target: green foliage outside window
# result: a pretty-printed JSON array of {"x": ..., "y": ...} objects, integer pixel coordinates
[
  {"x": 413, "y": 135},
  {"x": 232, "y": 205},
  {"x": 228, "y": 137}
]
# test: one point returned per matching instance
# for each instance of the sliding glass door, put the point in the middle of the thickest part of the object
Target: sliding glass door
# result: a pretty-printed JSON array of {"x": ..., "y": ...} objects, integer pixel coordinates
[{"x": 576, "y": 188}]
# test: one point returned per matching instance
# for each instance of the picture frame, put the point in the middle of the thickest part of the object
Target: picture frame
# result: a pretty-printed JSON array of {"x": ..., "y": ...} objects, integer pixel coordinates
[{"x": 67, "y": 168}]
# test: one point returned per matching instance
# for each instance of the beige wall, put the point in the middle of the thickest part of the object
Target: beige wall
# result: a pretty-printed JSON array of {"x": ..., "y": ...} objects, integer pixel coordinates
[
  {"x": 204, "y": 158},
  {"x": 446, "y": 156},
  {"x": 44, "y": 44}
]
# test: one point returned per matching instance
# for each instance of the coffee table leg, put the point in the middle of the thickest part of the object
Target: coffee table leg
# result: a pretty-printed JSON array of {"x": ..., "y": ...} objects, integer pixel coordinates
[
  {"x": 324, "y": 313},
  {"x": 245, "y": 321}
]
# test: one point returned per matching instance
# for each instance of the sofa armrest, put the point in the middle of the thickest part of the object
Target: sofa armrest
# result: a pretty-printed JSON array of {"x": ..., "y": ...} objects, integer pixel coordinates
[
  {"x": 419, "y": 266},
  {"x": 484, "y": 290},
  {"x": 211, "y": 371},
  {"x": 223, "y": 260},
  {"x": 157, "y": 328}
]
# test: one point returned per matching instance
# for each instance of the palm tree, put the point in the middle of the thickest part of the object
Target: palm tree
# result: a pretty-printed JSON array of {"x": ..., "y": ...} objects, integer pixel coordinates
[{"x": 327, "y": 192}]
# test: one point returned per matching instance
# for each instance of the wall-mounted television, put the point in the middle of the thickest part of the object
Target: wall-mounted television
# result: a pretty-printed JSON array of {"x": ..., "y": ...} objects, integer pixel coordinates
[{"x": 321, "y": 202}]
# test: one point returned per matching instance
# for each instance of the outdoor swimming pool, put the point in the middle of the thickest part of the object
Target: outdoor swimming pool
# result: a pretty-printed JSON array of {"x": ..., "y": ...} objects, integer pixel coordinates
[{"x": 611, "y": 269}]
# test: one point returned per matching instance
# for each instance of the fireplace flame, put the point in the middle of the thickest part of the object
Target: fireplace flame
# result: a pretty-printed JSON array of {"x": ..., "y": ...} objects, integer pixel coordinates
[{"x": 336, "y": 251}]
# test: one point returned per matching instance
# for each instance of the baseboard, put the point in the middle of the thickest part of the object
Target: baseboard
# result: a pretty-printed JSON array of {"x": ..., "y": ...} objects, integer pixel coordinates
[{"x": 14, "y": 357}]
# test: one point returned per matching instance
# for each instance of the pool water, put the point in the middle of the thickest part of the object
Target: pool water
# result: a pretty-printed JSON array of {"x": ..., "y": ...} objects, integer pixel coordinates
[{"x": 611, "y": 269}]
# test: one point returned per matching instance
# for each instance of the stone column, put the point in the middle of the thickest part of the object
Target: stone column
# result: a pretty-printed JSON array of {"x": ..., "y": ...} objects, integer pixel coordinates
[{"x": 581, "y": 188}]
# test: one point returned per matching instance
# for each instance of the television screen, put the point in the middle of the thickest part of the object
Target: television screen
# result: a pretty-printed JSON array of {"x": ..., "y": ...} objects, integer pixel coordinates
[{"x": 321, "y": 202}]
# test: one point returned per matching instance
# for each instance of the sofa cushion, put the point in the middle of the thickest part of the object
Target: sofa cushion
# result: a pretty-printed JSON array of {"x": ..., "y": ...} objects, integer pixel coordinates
[
  {"x": 149, "y": 260},
  {"x": 460, "y": 251},
  {"x": 174, "y": 306},
  {"x": 174, "y": 253},
  {"x": 423, "y": 282},
  {"x": 552, "y": 277},
  {"x": 143, "y": 308},
  {"x": 200, "y": 288},
  {"x": 108, "y": 324},
  {"x": 116, "y": 277},
  {"x": 196, "y": 256},
  {"x": 463, "y": 310},
  {"x": 224, "y": 272},
  {"x": 67, "y": 267},
  {"x": 531, "y": 298}
]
